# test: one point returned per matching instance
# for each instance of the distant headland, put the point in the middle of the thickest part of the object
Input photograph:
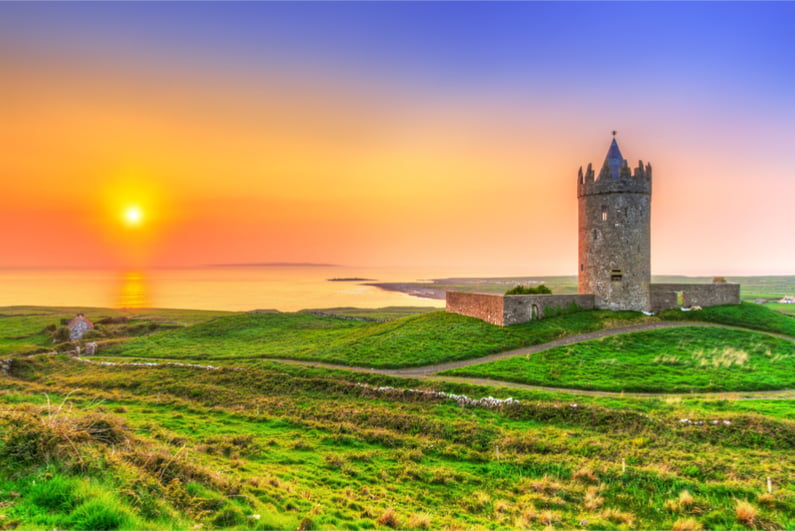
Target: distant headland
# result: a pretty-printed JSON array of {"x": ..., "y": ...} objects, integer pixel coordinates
[{"x": 273, "y": 264}]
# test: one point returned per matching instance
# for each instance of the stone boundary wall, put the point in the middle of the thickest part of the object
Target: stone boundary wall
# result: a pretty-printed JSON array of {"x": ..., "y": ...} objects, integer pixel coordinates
[
  {"x": 485, "y": 306},
  {"x": 663, "y": 296},
  {"x": 504, "y": 310},
  {"x": 523, "y": 308}
]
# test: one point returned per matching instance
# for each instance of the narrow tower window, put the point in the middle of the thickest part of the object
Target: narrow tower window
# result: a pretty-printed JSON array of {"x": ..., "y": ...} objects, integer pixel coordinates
[
  {"x": 616, "y": 275},
  {"x": 595, "y": 235},
  {"x": 582, "y": 267},
  {"x": 604, "y": 213}
]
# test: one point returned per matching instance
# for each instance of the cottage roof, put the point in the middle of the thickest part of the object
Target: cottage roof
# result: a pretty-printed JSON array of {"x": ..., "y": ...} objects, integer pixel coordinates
[{"x": 78, "y": 318}]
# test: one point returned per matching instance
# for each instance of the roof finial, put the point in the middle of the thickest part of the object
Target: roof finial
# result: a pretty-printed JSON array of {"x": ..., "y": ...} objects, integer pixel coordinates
[{"x": 614, "y": 133}]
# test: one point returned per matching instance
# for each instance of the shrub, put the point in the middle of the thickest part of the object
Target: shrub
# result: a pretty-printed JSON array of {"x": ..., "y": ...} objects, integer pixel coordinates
[
  {"x": 57, "y": 436},
  {"x": 94, "y": 333},
  {"x": 541, "y": 289},
  {"x": 229, "y": 516},
  {"x": 60, "y": 335},
  {"x": 27, "y": 440}
]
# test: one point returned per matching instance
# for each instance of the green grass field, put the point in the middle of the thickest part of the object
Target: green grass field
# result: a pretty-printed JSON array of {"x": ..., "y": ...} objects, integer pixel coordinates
[
  {"x": 287, "y": 448},
  {"x": 257, "y": 444},
  {"x": 672, "y": 360},
  {"x": 410, "y": 341},
  {"x": 746, "y": 315},
  {"x": 23, "y": 328}
]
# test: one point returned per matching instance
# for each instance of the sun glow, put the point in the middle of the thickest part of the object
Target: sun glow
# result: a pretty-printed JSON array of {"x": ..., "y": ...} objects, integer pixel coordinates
[{"x": 133, "y": 216}]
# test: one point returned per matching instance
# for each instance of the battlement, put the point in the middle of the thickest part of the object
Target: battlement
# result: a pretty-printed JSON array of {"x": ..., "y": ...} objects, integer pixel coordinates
[{"x": 614, "y": 179}]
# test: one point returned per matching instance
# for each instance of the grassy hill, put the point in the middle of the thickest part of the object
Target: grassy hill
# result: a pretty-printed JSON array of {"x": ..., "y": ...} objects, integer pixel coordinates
[
  {"x": 256, "y": 444},
  {"x": 410, "y": 341},
  {"x": 671, "y": 360},
  {"x": 293, "y": 448}
]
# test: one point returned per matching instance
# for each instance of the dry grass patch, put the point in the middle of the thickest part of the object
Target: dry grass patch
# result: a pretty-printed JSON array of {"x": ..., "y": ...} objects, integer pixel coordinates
[
  {"x": 545, "y": 485},
  {"x": 585, "y": 475},
  {"x": 419, "y": 521},
  {"x": 685, "y": 502},
  {"x": 687, "y": 524},
  {"x": 389, "y": 519},
  {"x": 549, "y": 517},
  {"x": 592, "y": 500},
  {"x": 618, "y": 517},
  {"x": 502, "y": 506},
  {"x": 686, "y": 499},
  {"x": 745, "y": 512}
]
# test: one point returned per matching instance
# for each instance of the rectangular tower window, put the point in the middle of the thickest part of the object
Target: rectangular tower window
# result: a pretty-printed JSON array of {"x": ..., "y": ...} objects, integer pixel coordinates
[
  {"x": 616, "y": 275},
  {"x": 582, "y": 267},
  {"x": 604, "y": 213}
]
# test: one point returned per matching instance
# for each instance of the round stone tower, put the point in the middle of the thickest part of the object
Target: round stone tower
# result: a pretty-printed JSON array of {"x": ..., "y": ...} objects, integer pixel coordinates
[{"x": 614, "y": 233}]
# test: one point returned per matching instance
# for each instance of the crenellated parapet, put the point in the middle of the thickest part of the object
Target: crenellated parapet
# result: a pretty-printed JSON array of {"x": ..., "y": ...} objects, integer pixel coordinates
[{"x": 614, "y": 179}]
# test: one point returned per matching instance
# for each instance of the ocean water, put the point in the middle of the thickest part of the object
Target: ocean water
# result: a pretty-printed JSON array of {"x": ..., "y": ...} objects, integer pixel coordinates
[{"x": 237, "y": 288}]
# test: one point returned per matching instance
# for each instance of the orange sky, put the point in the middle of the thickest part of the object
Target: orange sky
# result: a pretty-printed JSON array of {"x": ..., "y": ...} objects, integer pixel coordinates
[{"x": 312, "y": 165}]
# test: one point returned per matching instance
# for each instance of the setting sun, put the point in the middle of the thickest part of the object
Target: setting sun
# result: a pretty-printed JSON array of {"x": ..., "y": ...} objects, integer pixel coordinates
[{"x": 133, "y": 216}]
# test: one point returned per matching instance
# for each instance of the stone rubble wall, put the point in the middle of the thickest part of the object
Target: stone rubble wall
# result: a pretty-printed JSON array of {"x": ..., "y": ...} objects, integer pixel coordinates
[
  {"x": 484, "y": 306},
  {"x": 504, "y": 310},
  {"x": 664, "y": 296},
  {"x": 520, "y": 308}
]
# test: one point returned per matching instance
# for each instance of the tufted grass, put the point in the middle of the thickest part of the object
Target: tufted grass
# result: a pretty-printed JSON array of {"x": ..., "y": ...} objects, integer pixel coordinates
[
  {"x": 287, "y": 447},
  {"x": 670, "y": 360}
]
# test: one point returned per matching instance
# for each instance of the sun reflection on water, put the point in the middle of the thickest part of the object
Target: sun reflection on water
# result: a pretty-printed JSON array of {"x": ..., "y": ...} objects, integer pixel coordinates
[{"x": 132, "y": 291}]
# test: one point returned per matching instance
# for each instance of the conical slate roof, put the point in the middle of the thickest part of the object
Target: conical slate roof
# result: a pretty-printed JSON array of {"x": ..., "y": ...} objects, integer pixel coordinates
[{"x": 614, "y": 159}]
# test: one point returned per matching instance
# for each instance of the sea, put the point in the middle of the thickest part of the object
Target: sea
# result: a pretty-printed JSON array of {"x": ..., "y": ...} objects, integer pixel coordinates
[{"x": 233, "y": 288}]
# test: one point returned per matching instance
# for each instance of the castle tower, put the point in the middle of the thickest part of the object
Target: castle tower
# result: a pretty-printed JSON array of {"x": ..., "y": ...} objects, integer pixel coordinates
[{"x": 614, "y": 233}]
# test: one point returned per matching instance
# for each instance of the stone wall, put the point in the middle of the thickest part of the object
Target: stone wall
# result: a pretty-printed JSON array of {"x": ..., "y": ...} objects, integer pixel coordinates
[
  {"x": 504, "y": 310},
  {"x": 665, "y": 296},
  {"x": 523, "y": 308},
  {"x": 485, "y": 306}
]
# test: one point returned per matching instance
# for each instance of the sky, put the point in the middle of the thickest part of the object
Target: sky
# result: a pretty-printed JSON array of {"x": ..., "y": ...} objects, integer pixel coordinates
[{"x": 417, "y": 134}]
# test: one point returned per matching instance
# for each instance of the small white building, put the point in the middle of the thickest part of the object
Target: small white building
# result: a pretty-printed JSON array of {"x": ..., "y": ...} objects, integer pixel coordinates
[
  {"x": 79, "y": 326},
  {"x": 789, "y": 299}
]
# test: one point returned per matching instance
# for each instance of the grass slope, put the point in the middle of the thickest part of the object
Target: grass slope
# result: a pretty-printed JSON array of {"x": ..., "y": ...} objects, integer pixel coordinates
[
  {"x": 670, "y": 360},
  {"x": 746, "y": 315},
  {"x": 22, "y": 328},
  {"x": 406, "y": 342},
  {"x": 285, "y": 447}
]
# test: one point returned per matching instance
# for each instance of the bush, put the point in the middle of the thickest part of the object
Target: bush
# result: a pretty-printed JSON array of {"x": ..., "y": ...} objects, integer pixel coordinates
[
  {"x": 94, "y": 333},
  {"x": 541, "y": 289},
  {"x": 30, "y": 439},
  {"x": 60, "y": 335}
]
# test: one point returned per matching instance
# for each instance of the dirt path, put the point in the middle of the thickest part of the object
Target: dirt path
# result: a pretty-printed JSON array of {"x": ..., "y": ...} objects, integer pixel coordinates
[{"x": 428, "y": 372}]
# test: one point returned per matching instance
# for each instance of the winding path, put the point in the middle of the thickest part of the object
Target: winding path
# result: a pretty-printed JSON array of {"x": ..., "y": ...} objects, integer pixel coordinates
[{"x": 429, "y": 372}]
